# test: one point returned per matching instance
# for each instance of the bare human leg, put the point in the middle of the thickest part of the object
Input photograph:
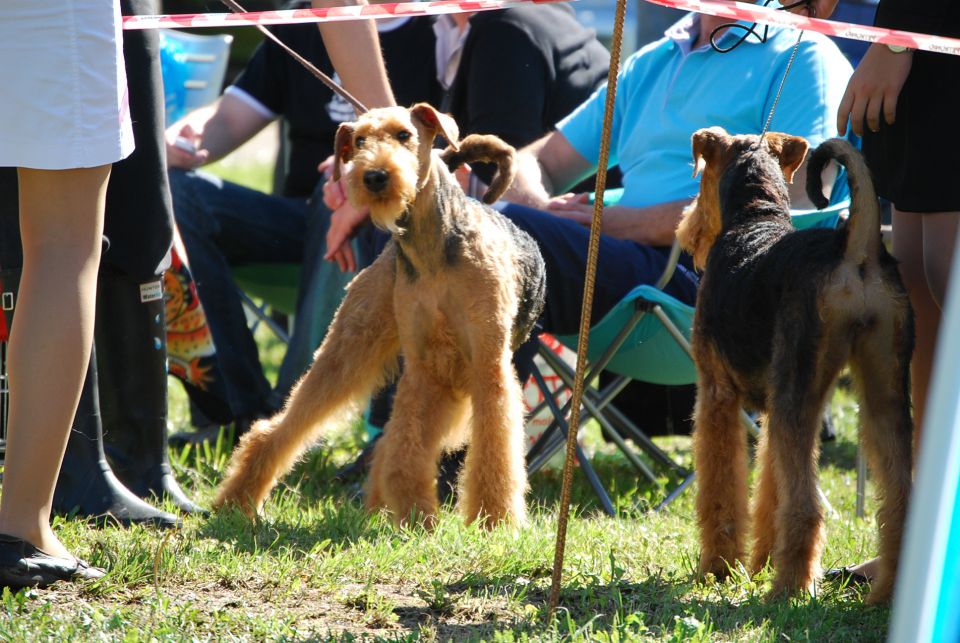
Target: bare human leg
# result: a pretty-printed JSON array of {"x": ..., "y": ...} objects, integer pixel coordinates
[
  {"x": 61, "y": 223},
  {"x": 924, "y": 243}
]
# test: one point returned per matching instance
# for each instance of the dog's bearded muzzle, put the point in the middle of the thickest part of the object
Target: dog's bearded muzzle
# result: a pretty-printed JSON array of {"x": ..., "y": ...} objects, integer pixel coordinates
[{"x": 383, "y": 185}]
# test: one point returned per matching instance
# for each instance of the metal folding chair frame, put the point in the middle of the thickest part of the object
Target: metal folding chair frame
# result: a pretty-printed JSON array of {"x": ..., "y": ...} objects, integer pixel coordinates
[{"x": 598, "y": 406}]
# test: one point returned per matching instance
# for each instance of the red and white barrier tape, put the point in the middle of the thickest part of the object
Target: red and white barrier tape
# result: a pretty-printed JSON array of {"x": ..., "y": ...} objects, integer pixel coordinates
[
  {"x": 329, "y": 14},
  {"x": 767, "y": 16},
  {"x": 732, "y": 10}
]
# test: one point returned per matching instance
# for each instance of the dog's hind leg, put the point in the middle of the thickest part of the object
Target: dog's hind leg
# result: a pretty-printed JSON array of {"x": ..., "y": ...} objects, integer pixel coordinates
[
  {"x": 880, "y": 364},
  {"x": 764, "y": 507},
  {"x": 720, "y": 460},
  {"x": 361, "y": 346},
  {"x": 404, "y": 471},
  {"x": 494, "y": 478}
]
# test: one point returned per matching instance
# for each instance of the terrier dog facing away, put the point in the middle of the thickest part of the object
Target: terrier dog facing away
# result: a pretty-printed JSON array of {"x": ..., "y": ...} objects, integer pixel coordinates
[
  {"x": 779, "y": 314},
  {"x": 456, "y": 290}
]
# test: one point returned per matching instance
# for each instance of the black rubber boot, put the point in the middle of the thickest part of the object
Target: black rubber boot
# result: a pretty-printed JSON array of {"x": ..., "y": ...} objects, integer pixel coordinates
[
  {"x": 86, "y": 485},
  {"x": 132, "y": 354}
]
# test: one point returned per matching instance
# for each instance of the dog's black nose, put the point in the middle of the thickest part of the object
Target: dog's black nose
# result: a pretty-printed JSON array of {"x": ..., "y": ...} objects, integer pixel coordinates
[{"x": 375, "y": 180}]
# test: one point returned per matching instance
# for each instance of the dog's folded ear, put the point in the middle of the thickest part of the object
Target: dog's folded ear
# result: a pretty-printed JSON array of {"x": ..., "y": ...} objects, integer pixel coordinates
[
  {"x": 708, "y": 145},
  {"x": 342, "y": 147},
  {"x": 789, "y": 150},
  {"x": 437, "y": 123}
]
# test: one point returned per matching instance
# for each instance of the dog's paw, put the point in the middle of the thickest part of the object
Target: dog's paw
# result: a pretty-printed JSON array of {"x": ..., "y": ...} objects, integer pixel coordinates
[
  {"x": 714, "y": 568},
  {"x": 490, "y": 522},
  {"x": 880, "y": 593},
  {"x": 425, "y": 521},
  {"x": 226, "y": 501},
  {"x": 778, "y": 593},
  {"x": 758, "y": 562},
  {"x": 784, "y": 588}
]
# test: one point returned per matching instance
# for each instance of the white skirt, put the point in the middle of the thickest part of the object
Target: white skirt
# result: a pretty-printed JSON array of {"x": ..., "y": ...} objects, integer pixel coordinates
[{"x": 63, "y": 87}]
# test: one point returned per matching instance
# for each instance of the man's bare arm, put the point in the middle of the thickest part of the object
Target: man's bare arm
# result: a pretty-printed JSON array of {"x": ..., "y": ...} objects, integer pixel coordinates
[
  {"x": 354, "y": 50},
  {"x": 214, "y": 131},
  {"x": 544, "y": 168},
  {"x": 653, "y": 225}
]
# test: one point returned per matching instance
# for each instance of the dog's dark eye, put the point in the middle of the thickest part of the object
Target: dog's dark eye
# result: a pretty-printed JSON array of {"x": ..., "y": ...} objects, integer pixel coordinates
[
  {"x": 359, "y": 142},
  {"x": 403, "y": 136}
]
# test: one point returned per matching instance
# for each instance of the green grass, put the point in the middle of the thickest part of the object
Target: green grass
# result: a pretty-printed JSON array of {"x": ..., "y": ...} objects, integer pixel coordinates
[{"x": 316, "y": 567}]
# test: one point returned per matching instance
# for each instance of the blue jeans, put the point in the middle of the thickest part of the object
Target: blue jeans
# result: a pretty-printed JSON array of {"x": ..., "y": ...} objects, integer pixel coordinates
[{"x": 224, "y": 225}]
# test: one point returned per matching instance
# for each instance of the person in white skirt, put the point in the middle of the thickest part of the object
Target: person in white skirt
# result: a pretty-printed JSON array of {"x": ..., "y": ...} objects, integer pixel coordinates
[{"x": 63, "y": 121}]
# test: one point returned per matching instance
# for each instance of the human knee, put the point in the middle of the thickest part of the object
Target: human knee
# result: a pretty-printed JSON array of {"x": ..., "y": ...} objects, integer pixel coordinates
[
  {"x": 913, "y": 272},
  {"x": 186, "y": 189},
  {"x": 936, "y": 274}
]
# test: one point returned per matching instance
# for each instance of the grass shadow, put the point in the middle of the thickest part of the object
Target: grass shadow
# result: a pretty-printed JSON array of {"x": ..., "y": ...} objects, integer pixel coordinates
[{"x": 678, "y": 607}]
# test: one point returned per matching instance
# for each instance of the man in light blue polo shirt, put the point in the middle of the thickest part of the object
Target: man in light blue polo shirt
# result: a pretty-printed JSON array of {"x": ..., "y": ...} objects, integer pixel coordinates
[{"x": 666, "y": 91}]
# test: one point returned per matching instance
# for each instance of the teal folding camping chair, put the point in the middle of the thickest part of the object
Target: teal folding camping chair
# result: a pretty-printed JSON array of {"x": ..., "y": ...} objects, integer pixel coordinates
[{"x": 645, "y": 337}]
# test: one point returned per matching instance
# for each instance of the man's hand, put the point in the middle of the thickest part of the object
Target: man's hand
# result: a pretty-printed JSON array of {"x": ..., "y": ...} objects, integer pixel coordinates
[
  {"x": 325, "y": 167},
  {"x": 874, "y": 86},
  {"x": 575, "y": 207},
  {"x": 334, "y": 195},
  {"x": 462, "y": 176},
  {"x": 183, "y": 147},
  {"x": 344, "y": 222},
  {"x": 651, "y": 225}
]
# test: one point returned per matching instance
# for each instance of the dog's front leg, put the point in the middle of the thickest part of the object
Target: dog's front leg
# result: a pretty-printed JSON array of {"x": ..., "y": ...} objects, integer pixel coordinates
[
  {"x": 720, "y": 460},
  {"x": 361, "y": 346},
  {"x": 494, "y": 478},
  {"x": 404, "y": 470}
]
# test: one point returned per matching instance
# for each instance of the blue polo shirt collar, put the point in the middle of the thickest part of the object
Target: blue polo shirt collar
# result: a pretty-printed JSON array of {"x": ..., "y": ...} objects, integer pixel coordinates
[{"x": 685, "y": 32}]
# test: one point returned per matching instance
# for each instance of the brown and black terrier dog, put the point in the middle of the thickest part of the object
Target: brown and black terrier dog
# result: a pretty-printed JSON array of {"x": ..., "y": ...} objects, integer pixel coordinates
[
  {"x": 779, "y": 314},
  {"x": 456, "y": 290}
]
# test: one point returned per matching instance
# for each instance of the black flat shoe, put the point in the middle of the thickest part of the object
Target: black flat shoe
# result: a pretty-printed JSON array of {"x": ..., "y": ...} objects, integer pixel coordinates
[
  {"x": 23, "y": 565},
  {"x": 845, "y": 576}
]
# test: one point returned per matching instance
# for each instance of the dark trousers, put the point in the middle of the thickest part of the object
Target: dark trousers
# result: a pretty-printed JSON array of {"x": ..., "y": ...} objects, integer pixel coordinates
[{"x": 223, "y": 225}]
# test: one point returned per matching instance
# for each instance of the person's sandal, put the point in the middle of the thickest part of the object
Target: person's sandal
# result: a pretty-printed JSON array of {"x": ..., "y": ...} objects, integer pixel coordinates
[
  {"x": 846, "y": 577},
  {"x": 23, "y": 565}
]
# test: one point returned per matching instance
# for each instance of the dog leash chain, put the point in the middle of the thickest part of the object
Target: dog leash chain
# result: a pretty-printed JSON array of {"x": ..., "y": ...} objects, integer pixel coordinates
[
  {"x": 358, "y": 107},
  {"x": 776, "y": 99},
  {"x": 752, "y": 30}
]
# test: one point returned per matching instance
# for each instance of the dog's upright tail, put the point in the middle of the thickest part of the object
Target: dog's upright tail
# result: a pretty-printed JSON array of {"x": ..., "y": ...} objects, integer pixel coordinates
[
  {"x": 863, "y": 225},
  {"x": 485, "y": 148}
]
